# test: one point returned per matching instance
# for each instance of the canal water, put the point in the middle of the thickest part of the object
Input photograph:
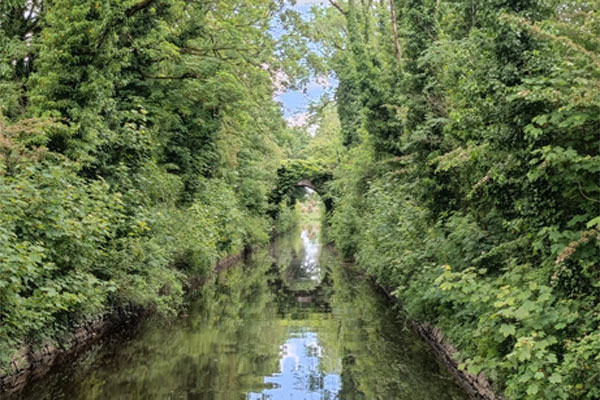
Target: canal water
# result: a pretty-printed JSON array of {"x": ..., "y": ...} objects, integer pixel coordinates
[{"x": 291, "y": 323}]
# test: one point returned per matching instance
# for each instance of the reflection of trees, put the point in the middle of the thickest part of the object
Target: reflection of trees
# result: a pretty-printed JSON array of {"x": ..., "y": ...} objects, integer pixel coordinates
[
  {"x": 298, "y": 268},
  {"x": 381, "y": 357},
  {"x": 286, "y": 248},
  {"x": 221, "y": 352},
  {"x": 239, "y": 317},
  {"x": 232, "y": 340}
]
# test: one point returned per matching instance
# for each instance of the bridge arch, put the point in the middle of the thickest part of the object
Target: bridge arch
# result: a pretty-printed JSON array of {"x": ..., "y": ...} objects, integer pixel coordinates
[
  {"x": 294, "y": 176},
  {"x": 306, "y": 183}
]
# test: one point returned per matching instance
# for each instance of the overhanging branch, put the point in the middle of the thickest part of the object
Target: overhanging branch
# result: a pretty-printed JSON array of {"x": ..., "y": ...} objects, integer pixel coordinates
[
  {"x": 138, "y": 7},
  {"x": 337, "y": 6}
]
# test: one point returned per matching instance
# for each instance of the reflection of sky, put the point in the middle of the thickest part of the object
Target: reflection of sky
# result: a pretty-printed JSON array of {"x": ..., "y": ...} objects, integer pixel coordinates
[
  {"x": 300, "y": 375},
  {"x": 310, "y": 264}
]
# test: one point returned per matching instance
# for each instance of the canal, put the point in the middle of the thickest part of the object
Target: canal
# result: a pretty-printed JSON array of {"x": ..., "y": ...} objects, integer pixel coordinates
[{"x": 290, "y": 323}]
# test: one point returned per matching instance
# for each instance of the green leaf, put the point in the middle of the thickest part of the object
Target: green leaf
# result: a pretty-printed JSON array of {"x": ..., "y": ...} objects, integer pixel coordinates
[
  {"x": 521, "y": 313},
  {"x": 508, "y": 330},
  {"x": 533, "y": 131},
  {"x": 541, "y": 119},
  {"x": 533, "y": 389},
  {"x": 593, "y": 223},
  {"x": 539, "y": 375},
  {"x": 555, "y": 378}
]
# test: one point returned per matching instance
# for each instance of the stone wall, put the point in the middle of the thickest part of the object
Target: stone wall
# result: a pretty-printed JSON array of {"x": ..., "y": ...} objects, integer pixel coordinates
[{"x": 31, "y": 362}]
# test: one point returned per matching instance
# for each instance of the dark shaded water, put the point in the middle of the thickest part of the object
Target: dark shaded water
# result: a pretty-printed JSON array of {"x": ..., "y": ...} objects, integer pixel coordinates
[{"x": 293, "y": 324}]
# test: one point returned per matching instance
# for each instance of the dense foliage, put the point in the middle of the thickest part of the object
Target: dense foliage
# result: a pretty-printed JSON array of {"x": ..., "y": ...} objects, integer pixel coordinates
[
  {"x": 139, "y": 142},
  {"x": 470, "y": 179}
]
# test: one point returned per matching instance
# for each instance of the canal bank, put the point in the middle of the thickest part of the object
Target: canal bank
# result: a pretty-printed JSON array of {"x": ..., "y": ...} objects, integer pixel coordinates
[
  {"x": 477, "y": 387},
  {"x": 32, "y": 363},
  {"x": 296, "y": 323}
]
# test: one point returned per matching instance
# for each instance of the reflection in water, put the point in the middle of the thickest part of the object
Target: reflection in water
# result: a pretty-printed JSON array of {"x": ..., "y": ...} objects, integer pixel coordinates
[
  {"x": 310, "y": 265},
  {"x": 300, "y": 375},
  {"x": 298, "y": 260},
  {"x": 296, "y": 324}
]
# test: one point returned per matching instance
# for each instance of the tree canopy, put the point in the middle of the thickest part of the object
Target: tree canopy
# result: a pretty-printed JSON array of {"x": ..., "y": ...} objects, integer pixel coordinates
[
  {"x": 140, "y": 142},
  {"x": 470, "y": 176}
]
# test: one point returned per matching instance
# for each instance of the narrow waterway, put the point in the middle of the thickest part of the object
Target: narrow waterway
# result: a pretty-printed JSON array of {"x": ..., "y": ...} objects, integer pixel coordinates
[{"x": 292, "y": 323}]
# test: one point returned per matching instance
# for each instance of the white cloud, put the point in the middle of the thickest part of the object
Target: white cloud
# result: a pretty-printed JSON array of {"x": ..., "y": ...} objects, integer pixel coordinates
[
  {"x": 312, "y": 129},
  {"x": 302, "y": 120},
  {"x": 281, "y": 80},
  {"x": 324, "y": 81}
]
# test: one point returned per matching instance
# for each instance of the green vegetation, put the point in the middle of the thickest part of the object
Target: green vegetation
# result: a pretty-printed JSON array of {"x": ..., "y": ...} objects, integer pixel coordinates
[
  {"x": 248, "y": 336},
  {"x": 294, "y": 174},
  {"x": 140, "y": 144},
  {"x": 469, "y": 180}
]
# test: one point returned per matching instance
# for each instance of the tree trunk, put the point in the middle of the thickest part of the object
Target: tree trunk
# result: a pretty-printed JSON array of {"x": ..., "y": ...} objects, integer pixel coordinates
[{"x": 395, "y": 30}]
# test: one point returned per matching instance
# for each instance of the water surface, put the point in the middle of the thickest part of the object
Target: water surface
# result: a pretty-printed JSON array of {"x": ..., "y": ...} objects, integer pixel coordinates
[{"x": 294, "y": 323}]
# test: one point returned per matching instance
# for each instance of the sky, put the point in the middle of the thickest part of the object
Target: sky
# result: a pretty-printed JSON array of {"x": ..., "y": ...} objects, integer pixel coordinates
[{"x": 295, "y": 103}]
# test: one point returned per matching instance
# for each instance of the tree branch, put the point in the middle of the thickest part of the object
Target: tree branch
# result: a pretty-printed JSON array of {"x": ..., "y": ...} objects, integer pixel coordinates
[
  {"x": 187, "y": 75},
  {"x": 129, "y": 13},
  {"x": 395, "y": 31},
  {"x": 138, "y": 7},
  {"x": 337, "y": 6},
  {"x": 584, "y": 195},
  {"x": 205, "y": 51}
]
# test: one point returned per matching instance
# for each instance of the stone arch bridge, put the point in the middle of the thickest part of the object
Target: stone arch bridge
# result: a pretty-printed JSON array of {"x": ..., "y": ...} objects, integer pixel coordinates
[{"x": 295, "y": 175}]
